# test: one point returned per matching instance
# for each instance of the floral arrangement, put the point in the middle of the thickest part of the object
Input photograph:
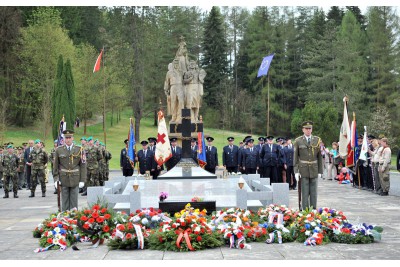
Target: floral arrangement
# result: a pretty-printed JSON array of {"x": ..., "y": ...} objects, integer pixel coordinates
[
  {"x": 129, "y": 236},
  {"x": 197, "y": 199},
  {"x": 309, "y": 222},
  {"x": 96, "y": 222},
  {"x": 277, "y": 214},
  {"x": 356, "y": 234},
  {"x": 233, "y": 234},
  {"x": 236, "y": 215},
  {"x": 188, "y": 232},
  {"x": 163, "y": 196},
  {"x": 150, "y": 218}
]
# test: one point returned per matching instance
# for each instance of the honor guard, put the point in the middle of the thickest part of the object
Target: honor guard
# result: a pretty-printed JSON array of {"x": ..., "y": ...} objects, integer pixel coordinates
[
  {"x": 9, "y": 164},
  {"x": 125, "y": 163},
  {"x": 211, "y": 156},
  {"x": 176, "y": 154},
  {"x": 230, "y": 156},
  {"x": 145, "y": 157},
  {"x": 251, "y": 158}
]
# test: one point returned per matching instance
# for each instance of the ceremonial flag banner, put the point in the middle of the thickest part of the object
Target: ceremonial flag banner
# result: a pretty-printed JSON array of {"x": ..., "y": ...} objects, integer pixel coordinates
[
  {"x": 131, "y": 142},
  {"x": 201, "y": 152},
  {"x": 163, "y": 147},
  {"x": 98, "y": 62},
  {"x": 265, "y": 65},
  {"x": 344, "y": 137},
  {"x": 353, "y": 144},
  {"x": 62, "y": 127},
  {"x": 364, "y": 148}
]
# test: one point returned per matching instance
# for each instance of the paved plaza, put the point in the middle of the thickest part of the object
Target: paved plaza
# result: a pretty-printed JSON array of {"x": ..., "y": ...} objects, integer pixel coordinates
[{"x": 20, "y": 216}]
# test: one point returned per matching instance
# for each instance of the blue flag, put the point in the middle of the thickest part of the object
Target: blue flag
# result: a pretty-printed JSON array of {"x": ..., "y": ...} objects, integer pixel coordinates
[
  {"x": 265, "y": 65},
  {"x": 201, "y": 152},
  {"x": 131, "y": 143}
]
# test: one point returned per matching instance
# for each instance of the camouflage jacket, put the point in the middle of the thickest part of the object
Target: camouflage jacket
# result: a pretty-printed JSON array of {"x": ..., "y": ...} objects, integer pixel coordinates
[
  {"x": 1, "y": 162},
  {"x": 21, "y": 162},
  {"x": 93, "y": 156},
  {"x": 51, "y": 155},
  {"x": 38, "y": 158},
  {"x": 10, "y": 164}
]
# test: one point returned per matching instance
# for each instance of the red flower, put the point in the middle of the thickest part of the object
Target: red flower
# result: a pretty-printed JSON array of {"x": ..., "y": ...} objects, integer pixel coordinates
[
  {"x": 177, "y": 232},
  {"x": 45, "y": 234},
  {"x": 107, "y": 216},
  {"x": 302, "y": 230},
  {"x": 121, "y": 227},
  {"x": 286, "y": 218},
  {"x": 240, "y": 235},
  {"x": 91, "y": 220},
  {"x": 249, "y": 234},
  {"x": 137, "y": 211},
  {"x": 100, "y": 220},
  {"x": 228, "y": 235},
  {"x": 103, "y": 210},
  {"x": 95, "y": 215},
  {"x": 50, "y": 240},
  {"x": 65, "y": 227},
  {"x": 202, "y": 230},
  {"x": 106, "y": 228},
  {"x": 96, "y": 207},
  {"x": 86, "y": 211},
  {"x": 128, "y": 236},
  {"x": 198, "y": 238},
  {"x": 84, "y": 218},
  {"x": 86, "y": 226},
  {"x": 130, "y": 225},
  {"x": 241, "y": 245},
  {"x": 160, "y": 239}
]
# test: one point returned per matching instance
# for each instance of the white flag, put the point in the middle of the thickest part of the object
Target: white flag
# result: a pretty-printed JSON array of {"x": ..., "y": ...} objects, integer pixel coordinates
[
  {"x": 344, "y": 138},
  {"x": 364, "y": 148},
  {"x": 163, "y": 147}
]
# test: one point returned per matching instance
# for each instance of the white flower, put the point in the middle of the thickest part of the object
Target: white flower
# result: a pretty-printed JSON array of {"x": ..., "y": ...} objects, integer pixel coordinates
[
  {"x": 155, "y": 218},
  {"x": 313, "y": 224},
  {"x": 307, "y": 232},
  {"x": 49, "y": 233},
  {"x": 317, "y": 228},
  {"x": 135, "y": 218},
  {"x": 145, "y": 221}
]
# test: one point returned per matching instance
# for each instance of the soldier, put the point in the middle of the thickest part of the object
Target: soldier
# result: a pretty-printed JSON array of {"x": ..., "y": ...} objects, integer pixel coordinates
[
  {"x": 93, "y": 155},
  {"x": 240, "y": 153},
  {"x": 28, "y": 166},
  {"x": 211, "y": 156},
  {"x": 176, "y": 154},
  {"x": 83, "y": 141},
  {"x": 269, "y": 155},
  {"x": 51, "y": 160},
  {"x": 145, "y": 157},
  {"x": 69, "y": 171},
  {"x": 107, "y": 157},
  {"x": 124, "y": 162},
  {"x": 1, "y": 166},
  {"x": 152, "y": 147},
  {"x": 259, "y": 146},
  {"x": 193, "y": 149},
  {"x": 102, "y": 164},
  {"x": 289, "y": 153},
  {"x": 308, "y": 165},
  {"x": 384, "y": 167},
  {"x": 10, "y": 166},
  {"x": 230, "y": 156},
  {"x": 375, "y": 152},
  {"x": 280, "y": 167},
  {"x": 251, "y": 158},
  {"x": 38, "y": 157},
  {"x": 21, "y": 166}
]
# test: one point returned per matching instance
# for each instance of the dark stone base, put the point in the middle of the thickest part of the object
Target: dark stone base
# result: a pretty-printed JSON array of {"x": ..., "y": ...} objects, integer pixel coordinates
[{"x": 176, "y": 206}]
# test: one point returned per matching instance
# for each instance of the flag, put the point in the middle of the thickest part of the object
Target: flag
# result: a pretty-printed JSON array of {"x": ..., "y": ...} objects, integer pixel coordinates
[
  {"x": 163, "y": 147},
  {"x": 265, "y": 65},
  {"x": 353, "y": 144},
  {"x": 201, "y": 152},
  {"x": 98, "y": 62},
  {"x": 344, "y": 137},
  {"x": 364, "y": 148},
  {"x": 62, "y": 127},
  {"x": 131, "y": 143}
]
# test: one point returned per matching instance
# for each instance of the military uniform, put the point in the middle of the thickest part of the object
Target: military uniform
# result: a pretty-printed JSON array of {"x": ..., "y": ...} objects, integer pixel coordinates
[
  {"x": 146, "y": 160},
  {"x": 211, "y": 157},
  {"x": 270, "y": 155},
  {"x": 308, "y": 163},
  {"x": 1, "y": 167},
  {"x": 157, "y": 169},
  {"x": 289, "y": 154},
  {"x": 93, "y": 156},
  {"x": 251, "y": 160},
  {"x": 39, "y": 158},
  {"x": 124, "y": 163},
  {"x": 230, "y": 155},
  {"x": 259, "y": 146},
  {"x": 20, "y": 170},
  {"x": 10, "y": 166},
  {"x": 176, "y": 156},
  {"x": 70, "y": 169},
  {"x": 107, "y": 157}
]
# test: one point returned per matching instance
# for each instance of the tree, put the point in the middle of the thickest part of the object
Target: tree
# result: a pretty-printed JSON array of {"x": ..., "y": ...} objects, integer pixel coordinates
[{"x": 56, "y": 99}]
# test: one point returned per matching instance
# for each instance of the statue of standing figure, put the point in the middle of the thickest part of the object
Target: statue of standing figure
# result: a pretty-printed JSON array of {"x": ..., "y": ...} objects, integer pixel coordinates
[
  {"x": 173, "y": 88},
  {"x": 182, "y": 55},
  {"x": 193, "y": 80}
]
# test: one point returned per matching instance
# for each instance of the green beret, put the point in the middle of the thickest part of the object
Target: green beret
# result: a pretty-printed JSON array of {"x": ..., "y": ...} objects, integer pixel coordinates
[
  {"x": 10, "y": 146},
  {"x": 90, "y": 138},
  {"x": 37, "y": 141},
  {"x": 83, "y": 138},
  {"x": 96, "y": 140}
]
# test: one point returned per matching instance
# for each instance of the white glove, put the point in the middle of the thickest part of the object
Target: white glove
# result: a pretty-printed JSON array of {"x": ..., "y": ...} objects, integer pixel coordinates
[
  {"x": 81, "y": 184},
  {"x": 319, "y": 175},
  {"x": 56, "y": 184},
  {"x": 297, "y": 176}
]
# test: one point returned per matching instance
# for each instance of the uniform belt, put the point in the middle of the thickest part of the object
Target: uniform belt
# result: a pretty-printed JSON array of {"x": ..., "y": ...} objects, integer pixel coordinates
[
  {"x": 308, "y": 162},
  {"x": 69, "y": 171}
]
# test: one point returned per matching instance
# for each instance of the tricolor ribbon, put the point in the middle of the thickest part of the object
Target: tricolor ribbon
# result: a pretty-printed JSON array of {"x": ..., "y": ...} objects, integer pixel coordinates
[
  {"x": 139, "y": 235},
  {"x": 232, "y": 241},
  {"x": 186, "y": 236},
  {"x": 271, "y": 238},
  {"x": 311, "y": 241},
  {"x": 43, "y": 249}
]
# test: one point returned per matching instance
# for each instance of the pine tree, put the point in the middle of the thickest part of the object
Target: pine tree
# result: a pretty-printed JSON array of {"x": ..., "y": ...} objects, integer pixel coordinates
[{"x": 56, "y": 99}]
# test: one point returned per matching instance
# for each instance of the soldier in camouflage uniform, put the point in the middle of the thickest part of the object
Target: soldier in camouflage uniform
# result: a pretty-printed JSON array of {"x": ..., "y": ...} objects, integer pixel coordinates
[
  {"x": 101, "y": 164},
  {"x": 93, "y": 155},
  {"x": 107, "y": 156},
  {"x": 1, "y": 166},
  {"x": 10, "y": 166},
  {"x": 21, "y": 167},
  {"x": 38, "y": 157},
  {"x": 51, "y": 160}
]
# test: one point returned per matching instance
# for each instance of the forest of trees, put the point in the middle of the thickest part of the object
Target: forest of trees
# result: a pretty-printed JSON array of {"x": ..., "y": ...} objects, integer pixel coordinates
[{"x": 319, "y": 58}]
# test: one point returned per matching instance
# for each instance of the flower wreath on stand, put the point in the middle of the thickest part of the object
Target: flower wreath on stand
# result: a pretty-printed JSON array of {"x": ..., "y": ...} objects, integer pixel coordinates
[
  {"x": 236, "y": 215},
  {"x": 58, "y": 232},
  {"x": 189, "y": 231},
  {"x": 96, "y": 223},
  {"x": 134, "y": 233},
  {"x": 308, "y": 228},
  {"x": 278, "y": 220},
  {"x": 233, "y": 234}
]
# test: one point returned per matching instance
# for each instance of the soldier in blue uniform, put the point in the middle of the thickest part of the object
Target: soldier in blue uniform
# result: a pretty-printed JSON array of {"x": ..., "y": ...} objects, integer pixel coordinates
[
  {"x": 230, "y": 156},
  {"x": 280, "y": 141},
  {"x": 289, "y": 153},
  {"x": 211, "y": 155},
  {"x": 251, "y": 158},
  {"x": 259, "y": 146},
  {"x": 176, "y": 154},
  {"x": 269, "y": 155},
  {"x": 124, "y": 163},
  {"x": 193, "y": 149},
  {"x": 152, "y": 147},
  {"x": 145, "y": 157},
  {"x": 240, "y": 153}
]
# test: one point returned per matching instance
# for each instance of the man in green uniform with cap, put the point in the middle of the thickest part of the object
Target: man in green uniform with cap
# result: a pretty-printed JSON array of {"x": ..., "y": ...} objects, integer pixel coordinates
[
  {"x": 51, "y": 159},
  {"x": 10, "y": 166},
  {"x": 69, "y": 171},
  {"x": 1, "y": 166},
  {"x": 93, "y": 156},
  {"x": 39, "y": 158},
  {"x": 308, "y": 165},
  {"x": 21, "y": 167}
]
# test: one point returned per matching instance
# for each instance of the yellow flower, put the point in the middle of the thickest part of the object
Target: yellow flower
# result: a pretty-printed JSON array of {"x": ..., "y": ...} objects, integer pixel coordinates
[{"x": 187, "y": 205}]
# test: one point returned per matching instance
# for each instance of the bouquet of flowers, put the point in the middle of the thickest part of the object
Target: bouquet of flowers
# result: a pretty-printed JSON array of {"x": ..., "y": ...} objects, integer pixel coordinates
[
  {"x": 150, "y": 218},
  {"x": 197, "y": 199},
  {"x": 356, "y": 234},
  {"x": 96, "y": 222},
  {"x": 309, "y": 222},
  {"x": 233, "y": 234},
  {"x": 128, "y": 236},
  {"x": 189, "y": 231},
  {"x": 47, "y": 223},
  {"x": 163, "y": 196},
  {"x": 236, "y": 215}
]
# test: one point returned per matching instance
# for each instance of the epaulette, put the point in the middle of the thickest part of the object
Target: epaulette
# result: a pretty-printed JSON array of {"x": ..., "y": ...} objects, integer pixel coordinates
[{"x": 298, "y": 138}]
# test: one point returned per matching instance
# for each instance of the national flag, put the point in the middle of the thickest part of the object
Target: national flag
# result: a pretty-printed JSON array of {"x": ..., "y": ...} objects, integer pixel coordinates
[
  {"x": 266, "y": 62},
  {"x": 344, "y": 137},
  {"x": 353, "y": 144},
  {"x": 201, "y": 152},
  {"x": 61, "y": 128},
  {"x": 163, "y": 147},
  {"x": 98, "y": 62},
  {"x": 364, "y": 148},
  {"x": 131, "y": 143}
]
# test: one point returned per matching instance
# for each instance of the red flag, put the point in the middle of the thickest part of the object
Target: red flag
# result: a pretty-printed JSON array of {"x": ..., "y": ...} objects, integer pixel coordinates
[{"x": 98, "y": 61}]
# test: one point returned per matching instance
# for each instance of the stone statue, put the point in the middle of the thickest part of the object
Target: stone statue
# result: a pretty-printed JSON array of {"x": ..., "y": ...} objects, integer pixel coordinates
[
  {"x": 173, "y": 88},
  {"x": 182, "y": 55},
  {"x": 193, "y": 80}
]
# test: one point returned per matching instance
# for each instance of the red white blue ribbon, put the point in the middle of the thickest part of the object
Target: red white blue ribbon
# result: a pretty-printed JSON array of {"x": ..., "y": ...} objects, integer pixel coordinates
[{"x": 139, "y": 235}]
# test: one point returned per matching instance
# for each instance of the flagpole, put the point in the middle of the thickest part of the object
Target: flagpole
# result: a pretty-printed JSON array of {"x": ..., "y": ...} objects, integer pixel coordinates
[
  {"x": 268, "y": 107},
  {"x": 104, "y": 101}
]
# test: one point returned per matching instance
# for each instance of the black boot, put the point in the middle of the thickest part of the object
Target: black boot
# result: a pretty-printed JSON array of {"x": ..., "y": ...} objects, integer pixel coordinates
[
  {"x": 15, "y": 195},
  {"x": 55, "y": 192},
  {"x": 43, "y": 194},
  {"x": 80, "y": 190},
  {"x": 32, "y": 194},
  {"x": 6, "y": 195},
  {"x": 84, "y": 193}
]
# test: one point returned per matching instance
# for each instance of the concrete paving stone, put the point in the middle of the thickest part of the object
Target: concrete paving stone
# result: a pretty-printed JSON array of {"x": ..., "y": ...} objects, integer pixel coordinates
[
  {"x": 207, "y": 254},
  {"x": 145, "y": 254}
]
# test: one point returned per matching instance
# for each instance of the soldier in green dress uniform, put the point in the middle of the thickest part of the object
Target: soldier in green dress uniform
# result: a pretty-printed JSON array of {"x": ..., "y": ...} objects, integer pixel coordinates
[
  {"x": 308, "y": 165},
  {"x": 39, "y": 158}
]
